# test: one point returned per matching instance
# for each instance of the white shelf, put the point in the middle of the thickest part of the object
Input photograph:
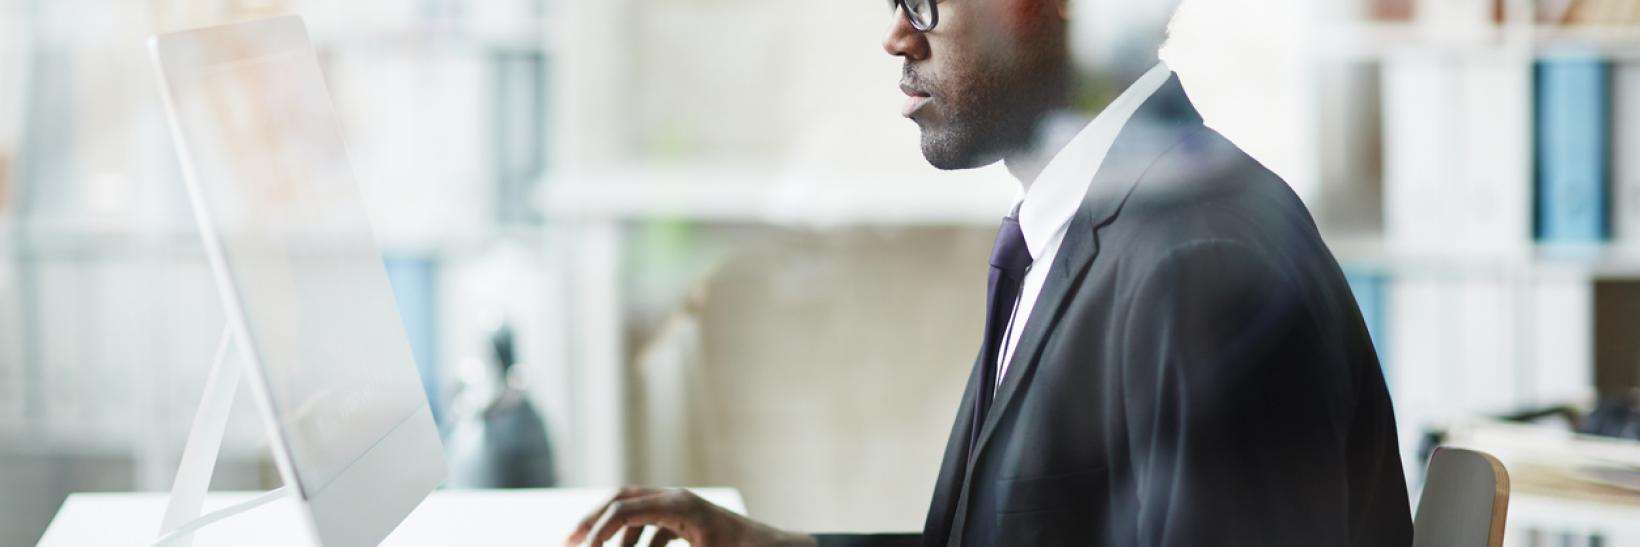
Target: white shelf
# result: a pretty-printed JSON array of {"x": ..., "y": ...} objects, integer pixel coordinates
[
  {"x": 1596, "y": 262},
  {"x": 1377, "y": 41},
  {"x": 767, "y": 196},
  {"x": 64, "y": 443},
  {"x": 1612, "y": 42},
  {"x": 526, "y": 34},
  {"x": 68, "y": 239}
]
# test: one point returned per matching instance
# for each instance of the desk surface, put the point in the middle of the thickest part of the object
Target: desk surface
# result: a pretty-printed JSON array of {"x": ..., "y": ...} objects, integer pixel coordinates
[{"x": 447, "y": 517}]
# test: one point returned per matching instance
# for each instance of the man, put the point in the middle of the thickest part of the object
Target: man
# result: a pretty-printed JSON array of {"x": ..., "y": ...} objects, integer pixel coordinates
[{"x": 1171, "y": 355}]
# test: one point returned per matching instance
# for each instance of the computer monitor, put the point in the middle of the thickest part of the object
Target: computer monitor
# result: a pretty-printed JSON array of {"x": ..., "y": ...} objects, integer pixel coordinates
[{"x": 297, "y": 266}]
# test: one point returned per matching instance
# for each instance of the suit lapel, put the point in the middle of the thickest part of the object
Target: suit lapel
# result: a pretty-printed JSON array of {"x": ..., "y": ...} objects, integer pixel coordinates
[
  {"x": 1075, "y": 254},
  {"x": 1164, "y": 119},
  {"x": 954, "y": 466}
]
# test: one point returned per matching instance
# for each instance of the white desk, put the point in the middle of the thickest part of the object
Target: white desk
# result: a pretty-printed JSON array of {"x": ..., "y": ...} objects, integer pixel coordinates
[{"x": 447, "y": 517}]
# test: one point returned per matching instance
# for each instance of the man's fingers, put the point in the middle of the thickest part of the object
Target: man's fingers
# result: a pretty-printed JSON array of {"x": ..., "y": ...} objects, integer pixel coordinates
[
  {"x": 662, "y": 537},
  {"x": 656, "y": 510},
  {"x": 630, "y": 537},
  {"x": 581, "y": 530}
]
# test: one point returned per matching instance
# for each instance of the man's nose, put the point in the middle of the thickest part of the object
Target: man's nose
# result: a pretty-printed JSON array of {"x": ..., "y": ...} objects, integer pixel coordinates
[{"x": 903, "y": 40}]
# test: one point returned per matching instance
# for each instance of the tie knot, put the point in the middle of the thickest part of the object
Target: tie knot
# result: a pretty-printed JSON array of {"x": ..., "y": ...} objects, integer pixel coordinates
[{"x": 1010, "y": 254}]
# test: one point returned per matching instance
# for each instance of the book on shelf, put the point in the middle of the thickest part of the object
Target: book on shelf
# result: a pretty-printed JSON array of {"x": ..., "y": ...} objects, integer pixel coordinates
[
  {"x": 1349, "y": 147},
  {"x": 1599, "y": 13},
  {"x": 1616, "y": 343},
  {"x": 1419, "y": 139},
  {"x": 1625, "y": 135},
  {"x": 1390, "y": 10},
  {"x": 1558, "y": 318},
  {"x": 1487, "y": 345},
  {"x": 5, "y": 185},
  {"x": 1492, "y": 208},
  {"x": 1418, "y": 359},
  {"x": 13, "y": 379},
  {"x": 1458, "y": 16},
  {"x": 1369, "y": 290},
  {"x": 1553, "y": 11},
  {"x": 1457, "y": 146},
  {"x": 1572, "y": 187},
  {"x": 518, "y": 121},
  {"x": 121, "y": 337},
  {"x": 60, "y": 355}
]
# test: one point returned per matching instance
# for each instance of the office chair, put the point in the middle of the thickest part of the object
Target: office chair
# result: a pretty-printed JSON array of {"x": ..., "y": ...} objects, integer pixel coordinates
[{"x": 1465, "y": 500}]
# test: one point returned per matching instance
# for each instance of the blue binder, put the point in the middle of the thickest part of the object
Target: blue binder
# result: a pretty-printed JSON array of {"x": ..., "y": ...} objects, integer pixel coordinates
[
  {"x": 1573, "y": 106},
  {"x": 1369, "y": 289}
]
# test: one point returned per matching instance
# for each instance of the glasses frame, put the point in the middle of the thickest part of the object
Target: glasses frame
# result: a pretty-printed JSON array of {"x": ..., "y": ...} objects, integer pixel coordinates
[{"x": 904, "y": 7}]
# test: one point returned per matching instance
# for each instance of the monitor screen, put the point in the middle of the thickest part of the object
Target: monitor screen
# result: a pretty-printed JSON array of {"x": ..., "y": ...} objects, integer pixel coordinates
[{"x": 270, "y": 177}]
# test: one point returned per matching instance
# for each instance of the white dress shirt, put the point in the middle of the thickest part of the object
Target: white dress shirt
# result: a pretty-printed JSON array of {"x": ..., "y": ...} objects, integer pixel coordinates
[{"x": 1046, "y": 205}]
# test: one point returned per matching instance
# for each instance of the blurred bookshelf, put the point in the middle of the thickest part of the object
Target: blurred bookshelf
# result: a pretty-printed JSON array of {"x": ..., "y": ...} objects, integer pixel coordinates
[{"x": 1474, "y": 180}]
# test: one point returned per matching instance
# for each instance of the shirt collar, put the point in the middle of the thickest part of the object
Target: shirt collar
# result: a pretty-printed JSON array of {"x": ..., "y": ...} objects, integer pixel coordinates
[{"x": 1047, "y": 206}]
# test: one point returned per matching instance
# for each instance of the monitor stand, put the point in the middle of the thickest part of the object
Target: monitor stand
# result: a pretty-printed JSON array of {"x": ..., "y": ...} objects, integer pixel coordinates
[{"x": 199, "y": 455}]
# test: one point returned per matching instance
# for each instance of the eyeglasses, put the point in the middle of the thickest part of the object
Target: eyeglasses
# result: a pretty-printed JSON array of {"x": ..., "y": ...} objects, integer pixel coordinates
[{"x": 921, "y": 13}]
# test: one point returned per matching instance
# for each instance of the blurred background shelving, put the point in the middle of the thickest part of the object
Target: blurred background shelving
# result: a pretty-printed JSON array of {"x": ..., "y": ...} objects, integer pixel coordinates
[{"x": 1475, "y": 179}]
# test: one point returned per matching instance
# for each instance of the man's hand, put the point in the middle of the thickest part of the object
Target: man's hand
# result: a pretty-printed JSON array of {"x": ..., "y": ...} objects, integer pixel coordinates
[{"x": 678, "y": 514}]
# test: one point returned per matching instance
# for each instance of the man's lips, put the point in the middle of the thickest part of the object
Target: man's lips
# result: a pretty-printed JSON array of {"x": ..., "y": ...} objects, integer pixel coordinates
[{"x": 914, "y": 100}]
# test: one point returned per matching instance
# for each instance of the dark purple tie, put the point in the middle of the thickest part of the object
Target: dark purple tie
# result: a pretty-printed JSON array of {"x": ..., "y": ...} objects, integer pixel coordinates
[{"x": 1009, "y": 260}]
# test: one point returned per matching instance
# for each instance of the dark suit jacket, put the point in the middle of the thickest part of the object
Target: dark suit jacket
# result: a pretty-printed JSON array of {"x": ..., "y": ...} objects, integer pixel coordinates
[{"x": 1195, "y": 372}]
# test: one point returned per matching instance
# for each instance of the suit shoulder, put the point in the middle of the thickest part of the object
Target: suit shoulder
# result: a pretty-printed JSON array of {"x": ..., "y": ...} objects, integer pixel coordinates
[
  {"x": 1204, "y": 174},
  {"x": 1206, "y": 190}
]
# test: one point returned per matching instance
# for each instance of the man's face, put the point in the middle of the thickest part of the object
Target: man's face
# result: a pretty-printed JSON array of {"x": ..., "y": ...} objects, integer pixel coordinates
[{"x": 978, "y": 83}]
